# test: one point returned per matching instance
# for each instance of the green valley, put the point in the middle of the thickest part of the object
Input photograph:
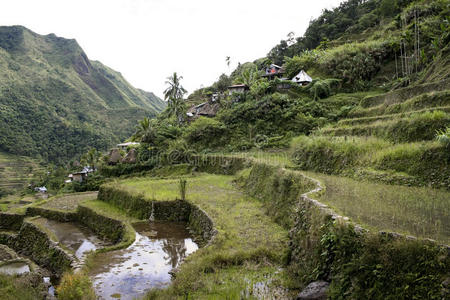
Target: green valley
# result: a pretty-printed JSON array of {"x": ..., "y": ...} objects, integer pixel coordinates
[
  {"x": 55, "y": 103},
  {"x": 320, "y": 171}
]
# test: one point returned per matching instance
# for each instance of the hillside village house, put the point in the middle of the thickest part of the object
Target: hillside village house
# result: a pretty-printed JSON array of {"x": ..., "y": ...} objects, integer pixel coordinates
[
  {"x": 274, "y": 71},
  {"x": 302, "y": 78},
  {"x": 124, "y": 146},
  {"x": 79, "y": 176},
  {"x": 205, "y": 109},
  {"x": 237, "y": 88}
]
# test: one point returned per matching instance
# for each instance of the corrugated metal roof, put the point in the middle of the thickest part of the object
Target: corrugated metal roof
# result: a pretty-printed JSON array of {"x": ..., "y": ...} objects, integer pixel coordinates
[{"x": 302, "y": 77}]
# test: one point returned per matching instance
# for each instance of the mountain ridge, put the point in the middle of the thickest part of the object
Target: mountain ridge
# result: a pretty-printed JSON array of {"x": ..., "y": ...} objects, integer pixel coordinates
[{"x": 55, "y": 103}]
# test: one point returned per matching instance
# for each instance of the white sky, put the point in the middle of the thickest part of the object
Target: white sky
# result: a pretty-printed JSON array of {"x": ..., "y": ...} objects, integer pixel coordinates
[{"x": 147, "y": 40}]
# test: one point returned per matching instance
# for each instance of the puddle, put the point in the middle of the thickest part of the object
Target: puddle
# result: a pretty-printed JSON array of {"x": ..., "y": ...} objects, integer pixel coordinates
[
  {"x": 15, "y": 268},
  {"x": 129, "y": 273},
  {"x": 75, "y": 238},
  {"x": 51, "y": 288}
]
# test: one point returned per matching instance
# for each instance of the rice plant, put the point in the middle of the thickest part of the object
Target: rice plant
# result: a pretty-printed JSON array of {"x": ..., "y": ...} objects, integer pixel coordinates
[
  {"x": 443, "y": 136},
  {"x": 182, "y": 186}
]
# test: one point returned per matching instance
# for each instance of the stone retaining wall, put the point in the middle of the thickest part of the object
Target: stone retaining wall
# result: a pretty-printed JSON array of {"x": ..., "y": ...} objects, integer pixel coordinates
[
  {"x": 10, "y": 221},
  {"x": 327, "y": 246},
  {"x": 198, "y": 221},
  {"x": 55, "y": 215},
  {"x": 103, "y": 226},
  {"x": 32, "y": 242}
]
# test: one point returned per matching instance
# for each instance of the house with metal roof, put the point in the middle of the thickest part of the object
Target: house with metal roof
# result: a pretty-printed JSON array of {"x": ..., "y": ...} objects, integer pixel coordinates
[
  {"x": 302, "y": 78},
  {"x": 274, "y": 71}
]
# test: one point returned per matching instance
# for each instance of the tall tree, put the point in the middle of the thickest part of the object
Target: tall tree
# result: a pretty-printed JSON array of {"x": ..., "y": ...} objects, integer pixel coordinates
[
  {"x": 174, "y": 95},
  {"x": 91, "y": 158},
  {"x": 141, "y": 130}
]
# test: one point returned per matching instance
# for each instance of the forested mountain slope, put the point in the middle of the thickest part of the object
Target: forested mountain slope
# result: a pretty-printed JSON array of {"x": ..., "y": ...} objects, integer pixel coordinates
[{"x": 55, "y": 103}]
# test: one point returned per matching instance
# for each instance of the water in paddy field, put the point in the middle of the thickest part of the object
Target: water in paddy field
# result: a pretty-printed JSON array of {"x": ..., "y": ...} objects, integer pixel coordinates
[
  {"x": 15, "y": 268},
  {"x": 129, "y": 273},
  {"x": 75, "y": 238}
]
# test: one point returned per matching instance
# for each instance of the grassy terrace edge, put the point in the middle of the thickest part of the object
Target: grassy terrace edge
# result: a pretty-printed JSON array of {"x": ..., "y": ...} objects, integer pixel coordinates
[
  {"x": 325, "y": 245},
  {"x": 322, "y": 244}
]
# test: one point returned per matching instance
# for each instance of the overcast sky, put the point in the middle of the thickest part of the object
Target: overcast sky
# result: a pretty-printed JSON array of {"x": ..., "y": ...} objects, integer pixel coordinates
[{"x": 147, "y": 40}]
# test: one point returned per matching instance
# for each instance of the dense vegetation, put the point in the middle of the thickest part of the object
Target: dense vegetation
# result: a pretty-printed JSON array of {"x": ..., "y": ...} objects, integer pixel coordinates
[
  {"x": 376, "y": 110},
  {"x": 55, "y": 103},
  {"x": 375, "y": 79}
]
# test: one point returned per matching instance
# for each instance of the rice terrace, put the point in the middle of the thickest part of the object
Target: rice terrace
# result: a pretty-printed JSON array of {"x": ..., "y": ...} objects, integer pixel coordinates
[{"x": 317, "y": 167}]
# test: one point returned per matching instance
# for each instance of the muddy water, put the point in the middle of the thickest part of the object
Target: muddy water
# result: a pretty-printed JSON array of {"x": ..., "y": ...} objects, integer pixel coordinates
[
  {"x": 129, "y": 273},
  {"x": 15, "y": 268},
  {"x": 75, "y": 238}
]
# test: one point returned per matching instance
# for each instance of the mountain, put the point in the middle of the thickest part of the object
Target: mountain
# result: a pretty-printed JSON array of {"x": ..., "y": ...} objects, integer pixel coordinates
[{"x": 55, "y": 103}]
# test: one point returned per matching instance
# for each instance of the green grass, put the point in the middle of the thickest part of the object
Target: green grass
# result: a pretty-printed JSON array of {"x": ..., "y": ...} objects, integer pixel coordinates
[
  {"x": 17, "y": 204},
  {"x": 107, "y": 210},
  {"x": 403, "y": 105},
  {"x": 68, "y": 202},
  {"x": 421, "y": 212},
  {"x": 368, "y": 120},
  {"x": 13, "y": 288},
  {"x": 246, "y": 236},
  {"x": 16, "y": 171},
  {"x": 415, "y": 127},
  {"x": 280, "y": 158},
  {"x": 424, "y": 163}
]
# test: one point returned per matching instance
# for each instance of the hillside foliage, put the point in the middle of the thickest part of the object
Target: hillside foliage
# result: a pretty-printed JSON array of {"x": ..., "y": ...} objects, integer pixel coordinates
[{"x": 55, "y": 103}]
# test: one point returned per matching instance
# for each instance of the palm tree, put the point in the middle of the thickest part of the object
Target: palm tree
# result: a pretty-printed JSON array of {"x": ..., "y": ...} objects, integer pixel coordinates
[
  {"x": 174, "y": 95},
  {"x": 248, "y": 77},
  {"x": 91, "y": 158},
  {"x": 141, "y": 130}
]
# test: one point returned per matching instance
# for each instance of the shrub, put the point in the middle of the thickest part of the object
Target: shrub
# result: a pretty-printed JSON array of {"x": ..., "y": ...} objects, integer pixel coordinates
[
  {"x": 443, "y": 136},
  {"x": 418, "y": 126},
  {"x": 183, "y": 184},
  {"x": 306, "y": 61},
  {"x": 75, "y": 287},
  {"x": 91, "y": 183},
  {"x": 326, "y": 155},
  {"x": 426, "y": 162},
  {"x": 206, "y": 133},
  {"x": 322, "y": 88}
]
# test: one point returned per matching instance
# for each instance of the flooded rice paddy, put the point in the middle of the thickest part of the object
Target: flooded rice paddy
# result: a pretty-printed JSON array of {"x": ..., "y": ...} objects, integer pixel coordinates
[
  {"x": 15, "y": 268},
  {"x": 158, "y": 248},
  {"x": 76, "y": 238}
]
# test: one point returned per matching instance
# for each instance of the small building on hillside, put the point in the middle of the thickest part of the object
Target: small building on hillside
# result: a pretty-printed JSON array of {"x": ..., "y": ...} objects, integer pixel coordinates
[
  {"x": 41, "y": 189},
  {"x": 302, "y": 78},
  {"x": 124, "y": 146},
  {"x": 206, "y": 109},
  {"x": 79, "y": 176},
  {"x": 215, "y": 97},
  {"x": 237, "y": 88},
  {"x": 274, "y": 71},
  {"x": 114, "y": 156}
]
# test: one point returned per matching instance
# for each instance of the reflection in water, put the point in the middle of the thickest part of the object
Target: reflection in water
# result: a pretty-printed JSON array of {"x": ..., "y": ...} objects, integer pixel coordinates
[
  {"x": 159, "y": 247},
  {"x": 15, "y": 268},
  {"x": 76, "y": 238}
]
